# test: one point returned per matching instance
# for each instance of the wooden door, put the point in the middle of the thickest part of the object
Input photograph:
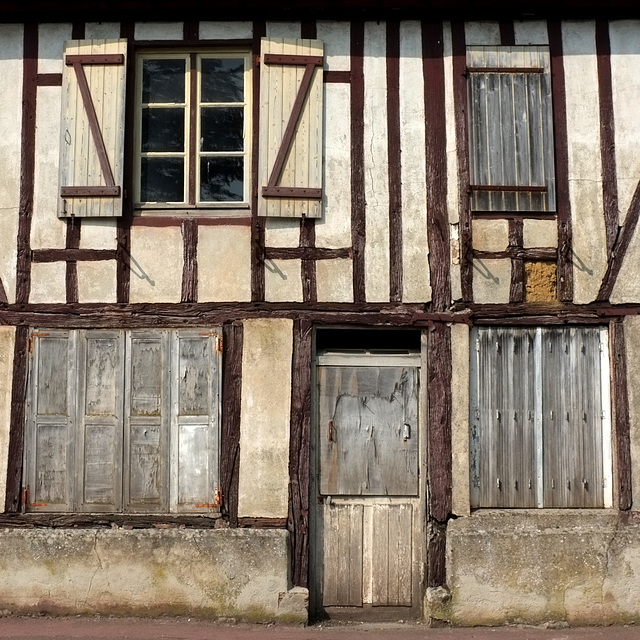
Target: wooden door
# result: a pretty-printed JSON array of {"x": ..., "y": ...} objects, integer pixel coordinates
[{"x": 368, "y": 511}]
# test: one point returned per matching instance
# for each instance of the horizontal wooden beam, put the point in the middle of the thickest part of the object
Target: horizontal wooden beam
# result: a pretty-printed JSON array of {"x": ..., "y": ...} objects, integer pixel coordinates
[
  {"x": 306, "y": 253},
  {"x": 76, "y": 255},
  {"x": 337, "y": 76},
  {"x": 127, "y": 521},
  {"x": 548, "y": 254},
  {"x": 176, "y": 221},
  {"x": 262, "y": 523},
  {"x": 49, "y": 79}
]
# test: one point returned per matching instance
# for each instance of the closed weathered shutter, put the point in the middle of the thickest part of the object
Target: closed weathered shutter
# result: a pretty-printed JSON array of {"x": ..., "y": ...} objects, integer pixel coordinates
[
  {"x": 291, "y": 87},
  {"x": 572, "y": 417},
  {"x": 92, "y": 131},
  {"x": 195, "y": 422},
  {"x": 510, "y": 129},
  {"x": 146, "y": 428},
  {"x": 50, "y": 436},
  {"x": 99, "y": 434}
]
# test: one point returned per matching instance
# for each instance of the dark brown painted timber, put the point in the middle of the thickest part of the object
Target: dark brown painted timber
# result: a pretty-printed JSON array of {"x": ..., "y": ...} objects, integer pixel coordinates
[
  {"x": 94, "y": 521},
  {"x": 262, "y": 523},
  {"x": 307, "y": 248},
  {"x": 299, "y": 452},
  {"x": 72, "y": 243},
  {"x": 563, "y": 201},
  {"x": 309, "y": 29},
  {"x": 519, "y": 253},
  {"x": 459, "y": 51},
  {"x": 358, "y": 221},
  {"x": 73, "y": 254},
  {"x": 3, "y": 293},
  {"x": 78, "y": 31},
  {"x": 439, "y": 401},
  {"x": 257, "y": 226},
  {"x": 232, "y": 335},
  {"x": 191, "y": 31},
  {"x": 621, "y": 405},
  {"x": 513, "y": 215},
  {"x": 203, "y": 221},
  {"x": 49, "y": 79},
  {"x": 27, "y": 161},
  {"x": 507, "y": 33},
  {"x": 607, "y": 134},
  {"x": 190, "y": 266},
  {"x": 436, "y": 165},
  {"x": 394, "y": 167},
  {"x": 516, "y": 241},
  {"x": 620, "y": 247},
  {"x": 337, "y": 76},
  {"x": 123, "y": 235},
  {"x": 309, "y": 253},
  {"x": 16, "y": 434}
]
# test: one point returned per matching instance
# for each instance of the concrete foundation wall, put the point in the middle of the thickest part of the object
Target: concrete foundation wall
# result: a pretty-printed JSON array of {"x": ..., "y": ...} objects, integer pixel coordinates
[
  {"x": 204, "y": 573},
  {"x": 580, "y": 567}
]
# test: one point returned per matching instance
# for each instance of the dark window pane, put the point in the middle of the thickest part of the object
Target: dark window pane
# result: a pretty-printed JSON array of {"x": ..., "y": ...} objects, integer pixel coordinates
[
  {"x": 163, "y": 129},
  {"x": 163, "y": 80},
  {"x": 222, "y": 80},
  {"x": 221, "y": 129},
  {"x": 221, "y": 179},
  {"x": 162, "y": 180}
]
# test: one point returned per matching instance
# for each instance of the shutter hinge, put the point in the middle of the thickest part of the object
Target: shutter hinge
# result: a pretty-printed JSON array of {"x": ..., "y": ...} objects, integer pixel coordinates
[
  {"x": 219, "y": 342},
  {"x": 25, "y": 499},
  {"x": 217, "y": 501}
]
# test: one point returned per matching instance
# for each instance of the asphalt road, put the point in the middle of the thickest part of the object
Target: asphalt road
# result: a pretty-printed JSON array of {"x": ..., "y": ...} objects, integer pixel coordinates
[{"x": 43, "y": 627}]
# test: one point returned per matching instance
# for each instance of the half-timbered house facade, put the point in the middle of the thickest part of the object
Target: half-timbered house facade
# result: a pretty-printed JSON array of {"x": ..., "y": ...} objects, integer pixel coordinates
[{"x": 320, "y": 310}]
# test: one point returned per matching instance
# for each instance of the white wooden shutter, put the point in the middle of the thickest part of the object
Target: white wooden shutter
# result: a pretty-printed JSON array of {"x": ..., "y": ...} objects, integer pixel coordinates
[
  {"x": 195, "y": 420},
  {"x": 511, "y": 129},
  {"x": 291, "y": 88},
  {"x": 50, "y": 434},
  {"x": 92, "y": 131},
  {"x": 99, "y": 434},
  {"x": 146, "y": 428}
]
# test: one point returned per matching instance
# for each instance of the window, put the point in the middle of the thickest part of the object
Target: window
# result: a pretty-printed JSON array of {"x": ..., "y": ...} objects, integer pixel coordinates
[
  {"x": 510, "y": 129},
  {"x": 123, "y": 421},
  {"x": 191, "y": 135},
  {"x": 540, "y": 418}
]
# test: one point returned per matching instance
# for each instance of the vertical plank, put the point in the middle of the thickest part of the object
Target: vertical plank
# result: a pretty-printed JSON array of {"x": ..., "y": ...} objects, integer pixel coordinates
[
  {"x": 380, "y": 556},
  {"x": 299, "y": 451},
  {"x": 516, "y": 241}
]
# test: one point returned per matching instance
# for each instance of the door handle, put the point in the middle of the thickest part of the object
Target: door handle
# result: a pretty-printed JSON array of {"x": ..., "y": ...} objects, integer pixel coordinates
[{"x": 406, "y": 434}]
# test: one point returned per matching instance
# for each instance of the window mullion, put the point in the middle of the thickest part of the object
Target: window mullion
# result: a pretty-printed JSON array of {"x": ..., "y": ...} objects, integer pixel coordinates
[
  {"x": 193, "y": 127},
  {"x": 538, "y": 408}
]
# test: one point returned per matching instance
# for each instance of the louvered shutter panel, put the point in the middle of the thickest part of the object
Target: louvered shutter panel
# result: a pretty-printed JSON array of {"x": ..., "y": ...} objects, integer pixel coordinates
[
  {"x": 50, "y": 435},
  {"x": 92, "y": 131},
  {"x": 291, "y": 88},
  {"x": 511, "y": 129},
  {"x": 195, "y": 421},
  {"x": 146, "y": 429},
  {"x": 100, "y": 402}
]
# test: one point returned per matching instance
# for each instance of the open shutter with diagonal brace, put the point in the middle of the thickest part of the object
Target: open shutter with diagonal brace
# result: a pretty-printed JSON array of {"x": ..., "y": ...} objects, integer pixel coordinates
[
  {"x": 290, "y": 128},
  {"x": 92, "y": 132}
]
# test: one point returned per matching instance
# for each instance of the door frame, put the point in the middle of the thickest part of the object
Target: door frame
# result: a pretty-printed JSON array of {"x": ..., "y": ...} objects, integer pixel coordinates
[{"x": 369, "y": 612}]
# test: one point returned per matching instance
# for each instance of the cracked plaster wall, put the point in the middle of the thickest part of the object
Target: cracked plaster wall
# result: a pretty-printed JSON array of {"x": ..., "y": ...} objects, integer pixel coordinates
[
  {"x": 202, "y": 573},
  {"x": 580, "y": 567}
]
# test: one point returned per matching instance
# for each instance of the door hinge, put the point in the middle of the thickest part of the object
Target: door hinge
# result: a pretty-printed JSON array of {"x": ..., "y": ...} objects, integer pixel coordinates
[{"x": 35, "y": 335}]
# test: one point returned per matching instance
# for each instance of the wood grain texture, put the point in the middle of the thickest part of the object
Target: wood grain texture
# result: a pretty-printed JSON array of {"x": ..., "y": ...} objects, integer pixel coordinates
[
  {"x": 394, "y": 161},
  {"x": 262, "y": 523},
  {"x": 437, "y": 555},
  {"x": 190, "y": 267},
  {"x": 439, "y": 419},
  {"x": 176, "y": 221},
  {"x": 436, "y": 165},
  {"x": 230, "y": 429},
  {"x": 299, "y": 451},
  {"x": 607, "y": 134},
  {"x": 516, "y": 241},
  {"x": 518, "y": 253},
  {"x": 73, "y": 255},
  {"x": 563, "y": 200},
  {"x": 358, "y": 220},
  {"x": 306, "y": 253},
  {"x": 620, "y": 397},
  {"x": 3, "y": 294},
  {"x": 72, "y": 242},
  {"x": 462, "y": 146},
  {"x": 16, "y": 434},
  {"x": 27, "y": 161},
  {"x": 258, "y": 224},
  {"x": 107, "y": 521}
]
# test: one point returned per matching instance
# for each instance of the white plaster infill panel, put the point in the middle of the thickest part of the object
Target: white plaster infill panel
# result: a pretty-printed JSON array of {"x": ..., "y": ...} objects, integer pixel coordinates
[
  {"x": 336, "y": 37},
  {"x": 283, "y": 280},
  {"x": 482, "y": 33},
  {"x": 491, "y": 281},
  {"x": 265, "y": 416},
  {"x": 283, "y": 29},
  {"x": 226, "y": 30},
  {"x": 7, "y": 343},
  {"x": 531, "y": 32},
  {"x": 159, "y": 30},
  {"x": 224, "y": 263},
  {"x": 97, "y": 281},
  {"x": 585, "y": 168},
  {"x": 335, "y": 280},
  {"x": 48, "y": 282},
  {"x": 202, "y": 573},
  {"x": 102, "y": 30},
  {"x": 51, "y": 39},
  {"x": 11, "y": 42},
  {"x": 156, "y": 264}
]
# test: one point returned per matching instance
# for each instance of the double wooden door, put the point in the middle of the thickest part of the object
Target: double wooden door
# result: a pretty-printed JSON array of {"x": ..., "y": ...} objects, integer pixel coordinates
[{"x": 368, "y": 512}]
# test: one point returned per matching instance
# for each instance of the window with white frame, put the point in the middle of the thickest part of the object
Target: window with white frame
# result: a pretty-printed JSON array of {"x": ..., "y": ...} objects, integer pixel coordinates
[
  {"x": 540, "y": 418},
  {"x": 511, "y": 156},
  {"x": 191, "y": 135},
  {"x": 123, "y": 421}
]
